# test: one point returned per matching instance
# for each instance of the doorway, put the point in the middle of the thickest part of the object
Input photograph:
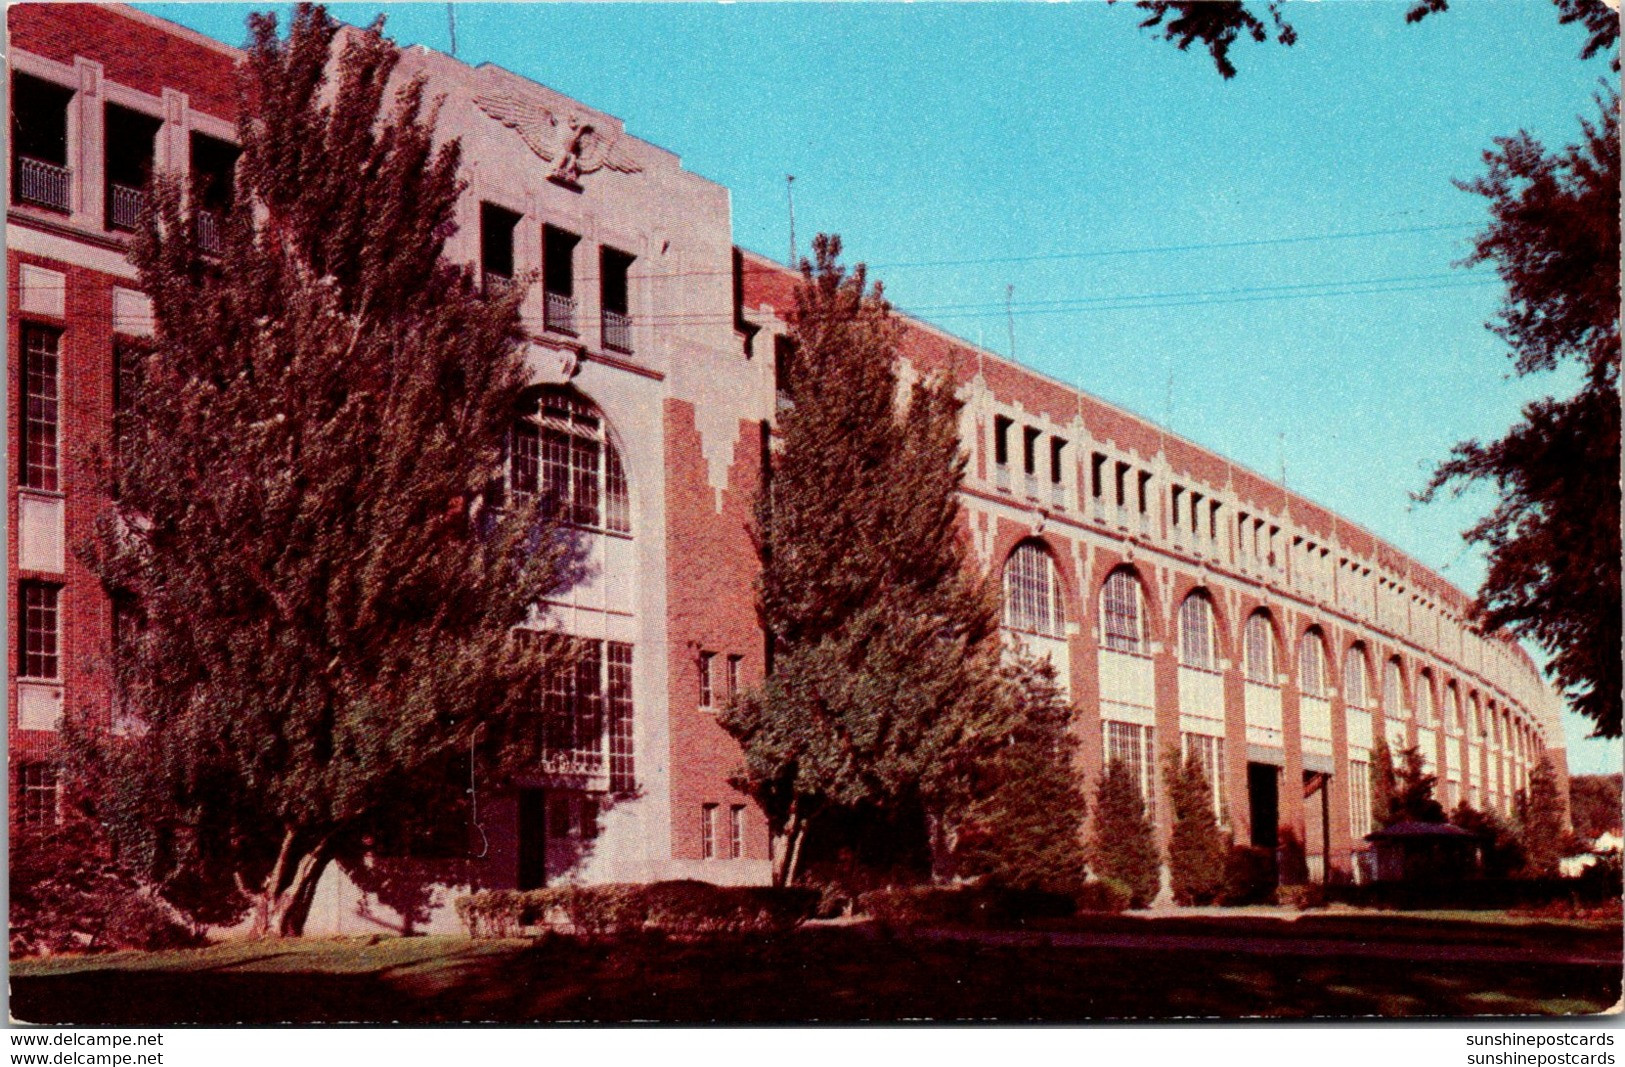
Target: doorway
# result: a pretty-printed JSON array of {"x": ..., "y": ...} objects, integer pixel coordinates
[
  {"x": 1264, "y": 804},
  {"x": 532, "y": 839}
]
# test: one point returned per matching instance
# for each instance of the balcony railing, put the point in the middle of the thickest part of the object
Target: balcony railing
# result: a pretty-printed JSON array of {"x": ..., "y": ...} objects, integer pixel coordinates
[
  {"x": 559, "y": 312},
  {"x": 617, "y": 329},
  {"x": 124, "y": 206},
  {"x": 208, "y": 233},
  {"x": 43, "y": 184},
  {"x": 1001, "y": 476},
  {"x": 1030, "y": 484},
  {"x": 1057, "y": 494},
  {"x": 494, "y": 284}
]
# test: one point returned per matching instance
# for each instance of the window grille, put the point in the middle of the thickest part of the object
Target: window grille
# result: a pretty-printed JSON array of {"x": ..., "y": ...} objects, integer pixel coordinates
[
  {"x": 621, "y": 779},
  {"x": 707, "y": 692},
  {"x": 708, "y": 831},
  {"x": 1209, "y": 751},
  {"x": 1131, "y": 745},
  {"x": 1032, "y": 593},
  {"x": 1359, "y": 799},
  {"x": 1311, "y": 664},
  {"x": 565, "y": 454},
  {"x": 1196, "y": 644},
  {"x": 1260, "y": 641},
  {"x": 1121, "y": 613},
  {"x": 42, "y": 396},
  {"x": 41, "y": 631},
  {"x": 1354, "y": 677},
  {"x": 1393, "y": 690},
  {"x": 38, "y": 795}
]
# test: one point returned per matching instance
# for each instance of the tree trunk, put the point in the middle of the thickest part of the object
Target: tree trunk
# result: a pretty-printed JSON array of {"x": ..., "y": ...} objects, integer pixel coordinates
[
  {"x": 302, "y": 891},
  {"x": 784, "y": 862},
  {"x": 288, "y": 890}
]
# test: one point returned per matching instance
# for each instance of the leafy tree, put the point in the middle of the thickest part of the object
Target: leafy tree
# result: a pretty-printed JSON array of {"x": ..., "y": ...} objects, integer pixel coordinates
[
  {"x": 1021, "y": 825},
  {"x": 1541, "y": 825},
  {"x": 1217, "y": 24},
  {"x": 885, "y": 653},
  {"x": 1198, "y": 848},
  {"x": 1553, "y": 541},
  {"x": 1413, "y": 799},
  {"x": 1384, "y": 784},
  {"x": 1502, "y": 851},
  {"x": 1122, "y": 848},
  {"x": 1594, "y": 804},
  {"x": 326, "y": 595}
]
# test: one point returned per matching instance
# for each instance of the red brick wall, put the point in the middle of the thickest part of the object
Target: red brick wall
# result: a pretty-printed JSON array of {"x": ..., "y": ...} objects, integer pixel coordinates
[
  {"x": 711, "y": 575},
  {"x": 85, "y": 412},
  {"x": 131, "y": 51}
]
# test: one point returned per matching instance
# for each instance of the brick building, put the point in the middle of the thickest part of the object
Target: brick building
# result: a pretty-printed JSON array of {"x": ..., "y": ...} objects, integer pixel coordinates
[{"x": 1184, "y": 600}]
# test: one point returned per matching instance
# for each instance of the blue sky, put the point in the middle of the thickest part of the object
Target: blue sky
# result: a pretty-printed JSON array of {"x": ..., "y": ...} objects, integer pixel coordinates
[{"x": 1171, "y": 237}]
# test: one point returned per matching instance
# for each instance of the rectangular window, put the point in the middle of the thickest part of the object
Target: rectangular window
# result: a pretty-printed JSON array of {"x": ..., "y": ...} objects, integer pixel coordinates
[
  {"x": 573, "y": 709},
  {"x": 614, "y": 268},
  {"x": 497, "y": 226},
  {"x": 525, "y": 459},
  {"x": 1029, "y": 450},
  {"x": 558, "y": 279},
  {"x": 42, "y": 399},
  {"x": 1001, "y": 440},
  {"x": 214, "y": 177},
  {"x": 41, "y": 630},
  {"x": 733, "y": 676},
  {"x": 39, "y": 143},
  {"x": 1359, "y": 799},
  {"x": 37, "y": 799},
  {"x": 621, "y": 778},
  {"x": 708, "y": 831},
  {"x": 1131, "y": 745},
  {"x": 707, "y": 694},
  {"x": 1122, "y": 485},
  {"x": 784, "y": 355},
  {"x": 1144, "y": 498},
  {"x": 736, "y": 832},
  {"x": 1097, "y": 475},
  {"x": 128, "y": 143},
  {"x": 1176, "y": 499},
  {"x": 1056, "y": 449}
]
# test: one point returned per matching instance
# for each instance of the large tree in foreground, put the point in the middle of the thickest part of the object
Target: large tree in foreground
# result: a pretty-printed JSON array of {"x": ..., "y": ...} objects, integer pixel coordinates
[
  {"x": 321, "y": 600},
  {"x": 885, "y": 652},
  {"x": 1553, "y": 540}
]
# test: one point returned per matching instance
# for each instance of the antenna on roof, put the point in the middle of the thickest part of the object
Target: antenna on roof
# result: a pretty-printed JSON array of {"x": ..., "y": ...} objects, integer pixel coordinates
[
  {"x": 1010, "y": 317},
  {"x": 1281, "y": 451},
  {"x": 790, "y": 194},
  {"x": 451, "y": 24}
]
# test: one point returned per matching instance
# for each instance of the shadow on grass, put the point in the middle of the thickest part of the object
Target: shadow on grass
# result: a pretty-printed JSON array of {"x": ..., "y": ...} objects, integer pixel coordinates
[{"x": 816, "y": 975}]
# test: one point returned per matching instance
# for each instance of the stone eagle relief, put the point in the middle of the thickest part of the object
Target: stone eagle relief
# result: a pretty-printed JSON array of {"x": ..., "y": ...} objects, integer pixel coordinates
[{"x": 574, "y": 147}]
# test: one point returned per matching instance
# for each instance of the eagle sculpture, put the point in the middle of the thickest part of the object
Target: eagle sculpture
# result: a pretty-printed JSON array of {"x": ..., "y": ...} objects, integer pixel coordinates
[{"x": 573, "y": 146}]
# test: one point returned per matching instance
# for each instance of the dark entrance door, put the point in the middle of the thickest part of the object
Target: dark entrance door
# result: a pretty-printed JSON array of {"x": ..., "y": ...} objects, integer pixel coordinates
[
  {"x": 1264, "y": 804},
  {"x": 532, "y": 838}
]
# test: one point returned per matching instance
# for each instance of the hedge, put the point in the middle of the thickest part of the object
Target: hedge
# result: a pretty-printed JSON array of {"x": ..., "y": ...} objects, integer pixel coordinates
[
  {"x": 684, "y": 909},
  {"x": 1480, "y": 894},
  {"x": 935, "y": 905}
]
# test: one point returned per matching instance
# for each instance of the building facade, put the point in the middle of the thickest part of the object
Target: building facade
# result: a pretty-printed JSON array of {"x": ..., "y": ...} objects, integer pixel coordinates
[{"x": 1185, "y": 602}]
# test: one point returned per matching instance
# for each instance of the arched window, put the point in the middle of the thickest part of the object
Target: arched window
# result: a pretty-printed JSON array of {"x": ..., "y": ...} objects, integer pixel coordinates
[
  {"x": 1260, "y": 647},
  {"x": 1453, "y": 708},
  {"x": 1476, "y": 712},
  {"x": 1032, "y": 592},
  {"x": 1424, "y": 699},
  {"x": 1356, "y": 694},
  {"x": 1197, "y": 647},
  {"x": 1122, "y": 613},
  {"x": 1312, "y": 663},
  {"x": 1393, "y": 690},
  {"x": 564, "y": 453}
]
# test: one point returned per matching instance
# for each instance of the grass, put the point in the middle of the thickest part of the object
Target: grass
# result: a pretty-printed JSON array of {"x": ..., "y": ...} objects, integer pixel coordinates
[{"x": 825, "y": 974}]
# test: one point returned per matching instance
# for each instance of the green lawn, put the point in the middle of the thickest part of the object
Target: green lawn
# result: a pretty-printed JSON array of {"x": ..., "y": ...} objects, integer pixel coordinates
[{"x": 833, "y": 974}]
